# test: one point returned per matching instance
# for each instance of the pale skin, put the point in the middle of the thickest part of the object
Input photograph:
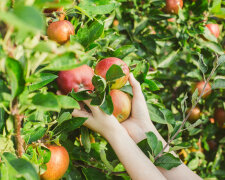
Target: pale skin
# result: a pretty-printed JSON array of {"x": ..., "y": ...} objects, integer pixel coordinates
[{"x": 123, "y": 138}]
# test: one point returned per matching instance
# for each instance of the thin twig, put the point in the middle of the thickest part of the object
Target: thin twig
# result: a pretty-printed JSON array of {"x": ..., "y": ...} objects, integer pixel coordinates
[{"x": 186, "y": 118}]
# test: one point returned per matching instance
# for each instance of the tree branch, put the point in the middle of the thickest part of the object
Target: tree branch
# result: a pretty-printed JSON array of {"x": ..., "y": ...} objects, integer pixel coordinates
[
  {"x": 17, "y": 121},
  {"x": 186, "y": 118}
]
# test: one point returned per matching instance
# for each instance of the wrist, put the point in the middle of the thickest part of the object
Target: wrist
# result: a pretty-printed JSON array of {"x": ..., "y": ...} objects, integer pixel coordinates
[{"x": 115, "y": 132}]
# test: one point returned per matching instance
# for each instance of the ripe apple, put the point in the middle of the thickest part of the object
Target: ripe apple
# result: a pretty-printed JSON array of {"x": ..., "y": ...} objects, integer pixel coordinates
[
  {"x": 172, "y": 6},
  {"x": 219, "y": 116},
  {"x": 78, "y": 79},
  {"x": 103, "y": 66},
  {"x": 214, "y": 29},
  {"x": 121, "y": 103},
  {"x": 200, "y": 86},
  {"x": 60, "y": 31},
  {"x": 195, "y": 114},
  {"x": 58, "y": 164}
]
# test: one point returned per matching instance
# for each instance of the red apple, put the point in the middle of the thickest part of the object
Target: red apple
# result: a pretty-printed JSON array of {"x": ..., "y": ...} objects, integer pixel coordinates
[
  {"x": 60, "y": 31},
  {"x": 200, "y": 86},
  {"x": 214, "y": 29},
  {"x": 58, "y": 164},
  {"x": 195, "y": 114},
  {"x": 172, "y": 6},
  {"x": 103, "y": 66},
  {"x": 78, "y": 79},
  {"x": 121, "y": 103},
  {"x": 219, "y": 116}
]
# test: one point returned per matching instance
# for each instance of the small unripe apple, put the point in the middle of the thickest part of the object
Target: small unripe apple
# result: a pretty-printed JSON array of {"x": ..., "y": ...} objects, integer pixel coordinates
[
  {"x": 200, "y": 86},
  {"x": 77, "y": 79},
  {"x": 172, "y": 6},
  {"x": 121, "y": 103},
  {"x": 103, "y": 66},
  {"x": 195, "y": 114},
  {"x": 58, "y": 164},
  {"x": 115, "y": 23},
  {"x": 60, "y": 31},
  {"x": 219, "y": 116},
  {"x": 214, "y": 29}
]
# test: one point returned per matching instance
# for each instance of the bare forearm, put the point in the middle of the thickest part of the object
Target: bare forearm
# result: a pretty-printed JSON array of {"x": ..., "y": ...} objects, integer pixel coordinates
[
  {"x": 138, "y": 166},
  {"x": 180, "y": 172}
]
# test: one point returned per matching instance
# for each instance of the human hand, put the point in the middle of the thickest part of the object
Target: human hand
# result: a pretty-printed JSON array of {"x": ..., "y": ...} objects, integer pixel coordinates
[
  {"x": 98, "y": 121},
  {"x": 139, "y": 121}
]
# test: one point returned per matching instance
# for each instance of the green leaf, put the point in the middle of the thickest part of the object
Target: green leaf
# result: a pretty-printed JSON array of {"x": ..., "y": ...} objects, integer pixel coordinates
[
  {"x": 194, "y": 163},
  {"x": 197, "y": 123},
  {"x": 36, "y": 134},
  {"x": 70, "y": 125},
  {"x": 85, "y": 139},
  {"x": 166, "y": 61},
  {"x": 92, "y": 8},
  {"x": 203, "y": 67},
  {"x": 168, "y": 116},
  {"x": 155, "y": 114},
  {"x": 194, "y": 96},
  {"x": 168, "y": 161},
  {"x": 46, "y": 102},
  {"x": 88, "y": 35},
  {"x": 212, "y": 46},
  {"x": 221, "y": 60},
  {"x": 40, "y": 80},
  {"x": 152, "y": 85},
  {"x": 124, "y": 51},
  {"x": 222, "y": 141},
  {"x": 218, "y": 84},
  {"x": 7, "y": 145},
  {"x": 64, "y": 62},
  {"x": 114, "y": 72},
  {"x": 105, "y": 160},
  {"x": 216, "y": 5},
  {"x": 64, "y": 117},
  {"x": 15, "y": 75},
  {"x": 127, "y": 89},
  {"x": 93, "y": 174},
  {"x": 81, "y": 95},
  {"x": 98, "y": 99},
  {"x": 107, "y": 106},
  {"x": 99, "y": 84},
  {"x": 25, "y": 18},
  {"x": 22, "y": 166},
  {"x": 155, "y": 145},
  {"x": 141, "y": 70},
  {"x": 67, "y": 102}
]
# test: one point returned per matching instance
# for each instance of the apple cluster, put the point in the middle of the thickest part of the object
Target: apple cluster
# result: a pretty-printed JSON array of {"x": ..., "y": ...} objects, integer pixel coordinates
[{"x": 80, "y": 79}]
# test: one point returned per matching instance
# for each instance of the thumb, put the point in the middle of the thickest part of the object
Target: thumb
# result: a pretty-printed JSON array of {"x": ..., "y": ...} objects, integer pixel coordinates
[{"x": 136, "y": 87}]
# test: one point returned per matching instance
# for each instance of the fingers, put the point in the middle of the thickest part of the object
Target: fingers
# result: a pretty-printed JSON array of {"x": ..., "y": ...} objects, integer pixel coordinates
[
  {"x": 94, "y": 109},
  {"x": 80, "y": 113},
  {"x": 135, "y": 85}
]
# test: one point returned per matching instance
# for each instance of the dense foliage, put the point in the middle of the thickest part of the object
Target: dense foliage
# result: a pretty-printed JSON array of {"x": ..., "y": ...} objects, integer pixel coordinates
[{"x": 168, "y": 54}]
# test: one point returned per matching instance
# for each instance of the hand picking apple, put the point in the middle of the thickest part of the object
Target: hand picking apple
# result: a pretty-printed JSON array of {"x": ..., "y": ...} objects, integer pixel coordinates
[{"x": 123, "y": 137}]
